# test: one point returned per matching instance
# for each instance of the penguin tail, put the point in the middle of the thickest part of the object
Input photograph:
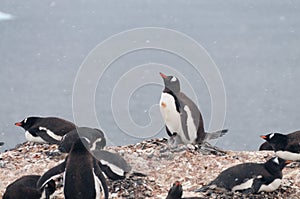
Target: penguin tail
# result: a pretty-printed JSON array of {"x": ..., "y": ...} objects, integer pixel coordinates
[
  {"x": 202, "y": 189},
  {"x": 139, "y": 174},
  {"x": 215, "y": 135}
]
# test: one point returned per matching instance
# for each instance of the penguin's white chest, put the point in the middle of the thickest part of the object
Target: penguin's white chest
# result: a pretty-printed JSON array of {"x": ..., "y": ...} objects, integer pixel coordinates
[
  {"x": 169, "y": 112},
  {"x": 288, "y": 155},
  {"x": 31, "y": 138}
]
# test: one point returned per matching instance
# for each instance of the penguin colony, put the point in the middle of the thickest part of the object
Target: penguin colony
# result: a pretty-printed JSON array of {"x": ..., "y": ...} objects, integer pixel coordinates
[{"x": 87, "y": 165}]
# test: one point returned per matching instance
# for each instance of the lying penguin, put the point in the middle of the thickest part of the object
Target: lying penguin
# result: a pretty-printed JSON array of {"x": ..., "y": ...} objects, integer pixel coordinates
[
  {"x": 112, "y": 164},
  {"x": 285, "y": 146},
  {"x": 250, "y": 177},
  {"x": 94, "y": 137},
  {"x": 183, "y": 119},
  {"x": 25, "y": 188},
  {"x": 45, "y": 129},
  {"x": 83, "y": 179}
]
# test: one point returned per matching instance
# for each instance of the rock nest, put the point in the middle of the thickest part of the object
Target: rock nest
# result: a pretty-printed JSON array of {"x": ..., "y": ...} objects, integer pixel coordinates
[{"x": 191, "y": 167}]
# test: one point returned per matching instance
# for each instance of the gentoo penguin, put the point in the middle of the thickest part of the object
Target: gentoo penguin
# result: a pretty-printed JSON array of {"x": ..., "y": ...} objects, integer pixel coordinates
[
  {"x": 45, "y": 129},
  {"x": 1, "y": 143},
  {"x": 265, "y": 147},
  {"x": 184, "y": 123},
  {"x": 176, "y": 191},
  {"x": 250, "y": 177},
  {"x": 83, "y": 179},
  {"x": 285, "y": 146},
  {"x": 112, "y": 164},
  {"x": 25, "y": 188},
  {"x": 95, "y": 137}
]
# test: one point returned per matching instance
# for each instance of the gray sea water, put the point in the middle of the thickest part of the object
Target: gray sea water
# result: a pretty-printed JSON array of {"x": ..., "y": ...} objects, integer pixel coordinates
[{"x": 255, "y": 45}]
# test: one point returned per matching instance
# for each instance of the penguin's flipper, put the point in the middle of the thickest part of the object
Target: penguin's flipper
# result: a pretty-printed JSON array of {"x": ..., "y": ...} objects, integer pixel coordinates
[
  {"x": 169, "y": 132},
  {"x": 215, "y": 135},
  {"x": 44, "y": 135},
  {"x": 51, "y": 173},
  {"x": 101, "y": 177},
  {"x": 184, "y": 124}
]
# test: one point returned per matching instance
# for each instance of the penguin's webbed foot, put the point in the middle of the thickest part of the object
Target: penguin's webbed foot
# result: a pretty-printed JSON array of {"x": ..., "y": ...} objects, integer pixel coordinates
[{"x": 206, "y": 148}]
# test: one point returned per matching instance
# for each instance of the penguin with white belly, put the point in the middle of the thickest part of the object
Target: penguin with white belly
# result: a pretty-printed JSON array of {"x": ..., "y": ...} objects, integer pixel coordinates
[
  {"x": 250, "y": 177},
  {"x": 285, "y": 146},
  {"x": 184, "y": 123}
]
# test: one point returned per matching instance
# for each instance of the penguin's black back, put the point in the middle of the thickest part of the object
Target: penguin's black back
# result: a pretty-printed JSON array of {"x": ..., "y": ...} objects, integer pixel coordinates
[
  {"x": 282, "y": 142},
  {"x": 58, "y": 126},
  {"x": 239, "y": 174},
  {"x": 79, "y": 178}
]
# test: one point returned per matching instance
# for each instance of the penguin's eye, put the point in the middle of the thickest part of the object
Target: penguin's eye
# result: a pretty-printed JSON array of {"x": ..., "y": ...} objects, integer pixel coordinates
[
  {"x": 25, "y": 120},
  {"x": 272, "y": 135}
]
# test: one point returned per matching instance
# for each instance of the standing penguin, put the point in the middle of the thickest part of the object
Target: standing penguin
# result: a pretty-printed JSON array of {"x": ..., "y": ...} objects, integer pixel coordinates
[
  {"x": 250, "y": 177},
  {"x": 45, "y": 129},
  {"x": 25, "y": 188},
  {"x": 95, "y": 137},
  {"x": 184, "y": 123},
  {"x": 83, "y": 179},
  {"x": 285, "y": 146}
]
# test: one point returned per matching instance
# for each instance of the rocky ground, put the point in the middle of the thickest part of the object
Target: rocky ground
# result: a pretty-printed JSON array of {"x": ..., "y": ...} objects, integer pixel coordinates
[{"x": 193, "y": 168}]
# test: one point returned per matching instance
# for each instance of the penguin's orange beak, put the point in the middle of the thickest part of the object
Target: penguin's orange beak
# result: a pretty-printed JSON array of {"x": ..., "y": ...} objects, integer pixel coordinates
[
  {"x": 163, "y": 75},
  {"x": 288, "y": 161},
  {"x": 263, "y": 137},
  {"x": 177, "y": 183},
  {"x": 18, "y": 124}
]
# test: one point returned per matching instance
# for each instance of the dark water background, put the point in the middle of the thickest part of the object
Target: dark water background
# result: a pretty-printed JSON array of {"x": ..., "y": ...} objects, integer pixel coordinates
[{"x": 256, "y": 46}]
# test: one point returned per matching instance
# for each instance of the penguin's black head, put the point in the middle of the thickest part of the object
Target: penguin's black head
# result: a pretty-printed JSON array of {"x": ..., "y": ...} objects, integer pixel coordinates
[
  {"x": 276, "y": 140},
  {"x": 80, "y": 145},
  {"x": 176, "y": 191},
  {"x": 276, "y": 163},
  {"x": 27, "y": 122},
  {"x": 67, "y": 141},
  {"x": 171, "y": 83}
]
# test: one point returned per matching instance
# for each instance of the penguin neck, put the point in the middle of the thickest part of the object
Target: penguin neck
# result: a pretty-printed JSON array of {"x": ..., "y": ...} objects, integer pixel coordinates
[
  {"x": 274, "y": 169},
  {"x": 280, "y": 143}
]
